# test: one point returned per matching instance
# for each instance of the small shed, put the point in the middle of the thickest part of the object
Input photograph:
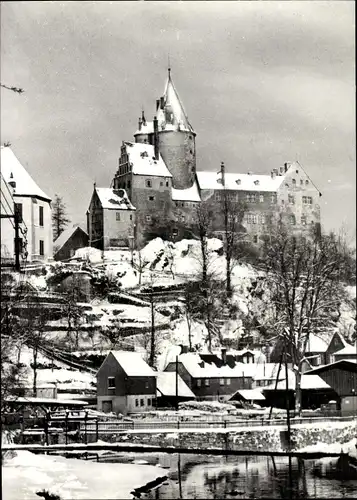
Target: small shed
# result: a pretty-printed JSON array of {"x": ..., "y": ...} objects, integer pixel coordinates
[
  {"x": 70, "y": 240},
  {"x": 166, "y": 390},
  {"x": 248, "y": 396}
]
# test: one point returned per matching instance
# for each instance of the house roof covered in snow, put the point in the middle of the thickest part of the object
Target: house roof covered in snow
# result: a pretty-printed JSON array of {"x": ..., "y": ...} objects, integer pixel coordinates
[
  {"x": 348, "y": 349},
  {"x": 166, "y": 385},
  {"x": 143, "y": 162},
  {"x": 133, "y": 364},
  {"x": 189, "y": 194},
  {"x": 114, "y": 199},
  {"x": 249, "y": 394},
  {"x": 343, "y": 364},
  {"x": 13, "y": 170},
  {"x": 65, "y": 236},
  {"x": 307, "y": 382},
  {"x": 316, "y": 344},
  {"x": 211, "y": 366},
  {"x": 239, "y": 182},
  {"x": 173, "y": 116}
]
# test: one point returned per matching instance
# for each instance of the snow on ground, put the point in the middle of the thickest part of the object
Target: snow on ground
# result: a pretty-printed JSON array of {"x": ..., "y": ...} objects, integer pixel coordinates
[
  {"x": 350, "y": 447},
  {"x": 26, "y": 473}
]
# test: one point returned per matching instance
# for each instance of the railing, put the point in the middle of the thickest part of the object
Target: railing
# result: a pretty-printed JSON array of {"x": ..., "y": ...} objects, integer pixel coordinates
[{"x": 116, "y": 426}]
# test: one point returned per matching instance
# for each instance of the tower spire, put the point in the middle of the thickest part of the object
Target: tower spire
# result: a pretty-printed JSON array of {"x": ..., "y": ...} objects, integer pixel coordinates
[{"x": 168, "y": 65}]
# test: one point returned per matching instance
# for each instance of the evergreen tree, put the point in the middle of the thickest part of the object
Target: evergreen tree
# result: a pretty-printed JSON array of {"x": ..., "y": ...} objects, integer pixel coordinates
[{"x": 59, "y": 217}]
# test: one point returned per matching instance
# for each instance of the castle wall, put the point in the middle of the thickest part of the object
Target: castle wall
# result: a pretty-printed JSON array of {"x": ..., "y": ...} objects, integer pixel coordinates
[{"x": 178, "y": 151}]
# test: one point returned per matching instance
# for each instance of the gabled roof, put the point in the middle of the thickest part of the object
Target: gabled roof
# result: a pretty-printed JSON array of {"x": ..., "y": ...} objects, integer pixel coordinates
[
  {"x": 133, "y": 364},
  {"x": 143, "y": 162},
  {"x": 148, "y": 128},
  {"x": 189, "y": 194},
  {"x": 239, "y": 182},
  {"x": 65, "y": 236},
  {"x": 316, "y": 344},
  {"x": 348, "y": 349},
  {"x": 12, "y": 170},
  {"x": 166, "y": 385},
  {"x": 343, "y": 364},
  {"x": 249, "y": 395},
  {"x": 307, "y": 382},
  {"x": 110, "y": 199},
  {"x": 173, "y": 116}
]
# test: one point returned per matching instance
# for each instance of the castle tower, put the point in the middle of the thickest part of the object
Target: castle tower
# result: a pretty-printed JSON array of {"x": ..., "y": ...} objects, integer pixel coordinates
[
  {"x": 176, "y": 137},
  {"x": 172, "y": 135}
]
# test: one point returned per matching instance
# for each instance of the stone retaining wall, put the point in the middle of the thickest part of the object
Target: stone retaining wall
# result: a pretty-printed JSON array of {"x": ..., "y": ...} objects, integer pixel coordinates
[{"x": 269, "y": 440}]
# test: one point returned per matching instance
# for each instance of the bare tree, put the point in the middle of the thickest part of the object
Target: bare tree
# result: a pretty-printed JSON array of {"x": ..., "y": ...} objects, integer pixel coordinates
[
  {"x": 304, "y": 278},
  {"x": 60, "y": 218}
]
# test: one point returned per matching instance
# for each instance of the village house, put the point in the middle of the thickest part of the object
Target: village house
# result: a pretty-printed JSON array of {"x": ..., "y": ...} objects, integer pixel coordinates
[
  {"x": 169, "y": 394},
  {"x": 34, "y": 208},
  {"x": 348, "y": 352},
  {"x": 70, "y": 240},
  {"x": 110, "y": 219},
  {"x": 125, "y": 384},
  {"x": 342, "y": 378}
]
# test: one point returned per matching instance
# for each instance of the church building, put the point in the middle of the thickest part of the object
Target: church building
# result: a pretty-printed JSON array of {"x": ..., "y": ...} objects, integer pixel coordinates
[{"x": 157, "y": 172}]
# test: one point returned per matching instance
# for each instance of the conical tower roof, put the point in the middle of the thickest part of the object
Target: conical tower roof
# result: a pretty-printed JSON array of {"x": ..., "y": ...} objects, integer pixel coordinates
[{"x": 172, "y": 115}]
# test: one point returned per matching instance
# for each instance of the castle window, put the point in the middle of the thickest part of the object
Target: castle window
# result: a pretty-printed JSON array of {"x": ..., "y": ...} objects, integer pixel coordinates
[
  {"x": 291, "y": 199},
  {"x": 117, "y": 215},
  {"x": 148, "y": 218},
  {"x": 303, "y": 220},
  {"x": 292, "y": 220},
  {"x": 217, "y": 196},
  {"x": 42, "y": 247},
  {"x": 130, "y": 217},
  {"x": 255, "y": 238},
  {"x": 273, "y": 198},
  {"x": 293, "y": 181},
  {"x": 251, "y": 219},
  {"x": 262, "y": 219},
  {"x": 261, "y": 198},
  {"x": 301, "y": 182},
  {"x": 306, "y": 182},
  {"x": 151, "y": 198},
  {"x": 307, "y": 200},
  {"x": 182, "y": 205},
  {"x": 148, "y": 183},
  {"x": 297, "y": 171},
  {"x": 161, "y": 183},
  {"x": 167, "y": 184},
  {"x": 251, "y": 197},
  {"x": 40, "y": 216}
]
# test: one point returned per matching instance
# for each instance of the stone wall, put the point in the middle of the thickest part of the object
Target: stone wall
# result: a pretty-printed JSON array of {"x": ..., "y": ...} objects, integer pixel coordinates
[{"x": 269, "y": 439}]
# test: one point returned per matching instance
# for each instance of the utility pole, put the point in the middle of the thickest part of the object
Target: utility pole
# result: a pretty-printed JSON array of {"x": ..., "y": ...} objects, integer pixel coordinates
[
  {"x": 287, "y": 396},
  {"x": 176, "y": 385}
]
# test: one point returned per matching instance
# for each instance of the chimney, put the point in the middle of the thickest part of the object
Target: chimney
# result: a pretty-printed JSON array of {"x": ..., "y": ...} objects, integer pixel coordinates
[
  {"x": 140, "y": 123},
  {"x": 250, "y": 172},
  {"x": 223, "y": 172},
  {"x": 157, "y": 104},
  {"x": 286, "y": 166},
  {"x": 273, "y": 174},
  {"x": 162, "y": 102},
  {"x": 224, "y": 355},
  {"x": 143, "y": 118},
  {"x": 156, "y": 138}
]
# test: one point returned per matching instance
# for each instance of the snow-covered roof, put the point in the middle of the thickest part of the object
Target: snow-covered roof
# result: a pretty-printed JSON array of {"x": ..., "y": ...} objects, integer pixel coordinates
[
  {"x": 166, "y": 385},
  {"x": 148, "y": 128},
  {"x": 109, "y": 199},
  {"x": 133, "y": 364},
  {"x": 316, "y": 344},
  {"x": 349, "y": 349},
  {"x": 250, "y": 394},
  {"x": 307, "y": 382},
  {"x": 189, "y": 194},
  {"x": 239, "y": 182},
  {"x": 12, "y": 170},
  {"x": 143, "y": 161},
  {"x": 198, "y": 368},
  {"x": 64, "y": 237},
  {"x": 173, "y": 116}
]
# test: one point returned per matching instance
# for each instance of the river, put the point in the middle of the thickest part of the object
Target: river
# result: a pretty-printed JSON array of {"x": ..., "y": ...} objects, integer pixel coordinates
[{"x": 245, "y": 477}]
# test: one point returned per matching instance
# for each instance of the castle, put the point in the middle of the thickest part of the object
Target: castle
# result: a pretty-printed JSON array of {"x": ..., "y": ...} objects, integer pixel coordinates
[{"x": 156, "y": 188}]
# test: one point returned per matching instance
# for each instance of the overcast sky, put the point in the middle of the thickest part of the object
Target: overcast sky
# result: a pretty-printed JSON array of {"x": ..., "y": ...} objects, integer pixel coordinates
[{"x": 262, "y": 83}]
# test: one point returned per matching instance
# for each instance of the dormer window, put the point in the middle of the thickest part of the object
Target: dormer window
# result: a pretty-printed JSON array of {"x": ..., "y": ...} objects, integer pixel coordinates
[
  {"x": 256, "y": 183},
  {"x": 306, "y": 182},
  {"x": 238, "y": 181}
]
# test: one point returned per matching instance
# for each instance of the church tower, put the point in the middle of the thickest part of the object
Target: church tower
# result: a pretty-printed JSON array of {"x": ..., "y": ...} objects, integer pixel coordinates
[{"x": 172, "y": 136}]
